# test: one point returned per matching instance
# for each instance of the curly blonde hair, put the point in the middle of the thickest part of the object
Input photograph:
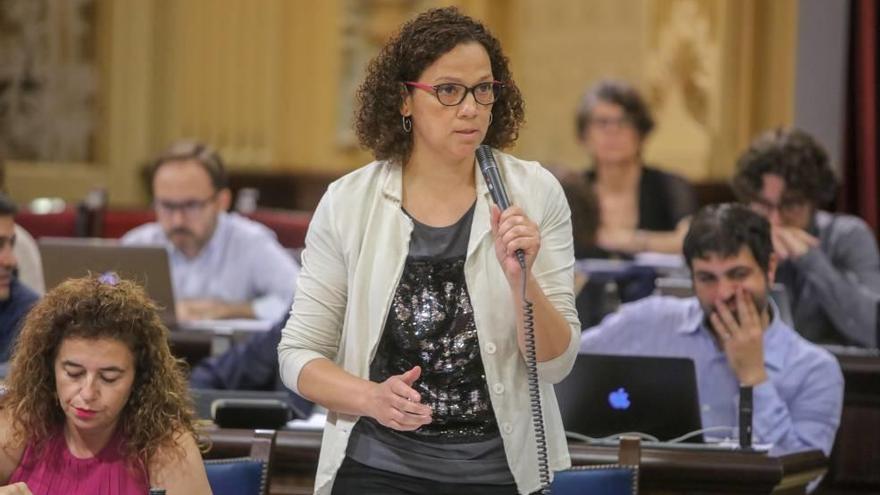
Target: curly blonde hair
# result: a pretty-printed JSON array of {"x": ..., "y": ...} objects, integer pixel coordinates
[{"x": 159, "y": 408}]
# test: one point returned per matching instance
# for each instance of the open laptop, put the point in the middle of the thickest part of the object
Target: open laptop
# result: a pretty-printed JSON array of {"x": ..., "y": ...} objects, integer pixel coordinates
[
  {"x": 65, "y": 258},
  {"x": 605, "y": 395}
]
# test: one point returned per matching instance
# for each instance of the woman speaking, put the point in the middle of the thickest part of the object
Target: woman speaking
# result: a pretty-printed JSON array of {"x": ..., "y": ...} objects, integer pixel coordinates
[{"x": 408, "y": 319}]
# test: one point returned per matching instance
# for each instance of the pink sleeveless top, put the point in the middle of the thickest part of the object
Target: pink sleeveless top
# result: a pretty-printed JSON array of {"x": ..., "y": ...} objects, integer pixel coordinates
[{"x": 54, "y": 470}]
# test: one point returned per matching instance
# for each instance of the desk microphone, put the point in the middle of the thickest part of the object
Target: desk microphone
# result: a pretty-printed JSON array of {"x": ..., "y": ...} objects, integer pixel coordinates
[{"x": 745, "y": 417}]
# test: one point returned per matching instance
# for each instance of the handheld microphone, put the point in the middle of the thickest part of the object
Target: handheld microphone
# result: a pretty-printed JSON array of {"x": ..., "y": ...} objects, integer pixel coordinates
[
  {"x": 493, "y": 178},
  {"x": 496, "y": 187}
]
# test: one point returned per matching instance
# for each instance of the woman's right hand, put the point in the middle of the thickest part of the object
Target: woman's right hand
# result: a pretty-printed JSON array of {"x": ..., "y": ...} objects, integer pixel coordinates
[
  {"x": 396, "y": 405},
  {"x": 19, "y": 488}
]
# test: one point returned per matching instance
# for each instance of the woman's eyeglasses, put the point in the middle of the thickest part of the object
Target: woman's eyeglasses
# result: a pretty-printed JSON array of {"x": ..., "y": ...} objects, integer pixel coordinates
[
  {"x": 452, "y": 94},
  {"x": 606, "y": 123}
]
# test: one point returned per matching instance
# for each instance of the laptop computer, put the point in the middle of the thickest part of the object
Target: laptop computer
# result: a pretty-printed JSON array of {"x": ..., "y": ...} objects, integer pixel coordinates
[
  {"x": 605, "y": 395},
  {"x": 65, "y": 258}
]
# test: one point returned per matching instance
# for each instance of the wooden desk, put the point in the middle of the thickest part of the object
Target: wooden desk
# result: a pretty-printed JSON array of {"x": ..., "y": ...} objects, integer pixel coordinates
[
  {"x": 854, "y": 466},
  {"x": 662, "y": 472},
  {"x": 712, "y": 472}
]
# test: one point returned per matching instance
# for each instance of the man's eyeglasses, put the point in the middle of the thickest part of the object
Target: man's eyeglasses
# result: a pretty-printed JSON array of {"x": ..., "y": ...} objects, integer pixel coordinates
[
  {"x": 451, "y": 94},
  {"x": 188, "y": 208},
  {"x": 764, "y": 207}
]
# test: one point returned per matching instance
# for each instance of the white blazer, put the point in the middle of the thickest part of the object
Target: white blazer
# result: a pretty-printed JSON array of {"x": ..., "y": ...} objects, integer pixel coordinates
[{"x": 356, "y": 247}]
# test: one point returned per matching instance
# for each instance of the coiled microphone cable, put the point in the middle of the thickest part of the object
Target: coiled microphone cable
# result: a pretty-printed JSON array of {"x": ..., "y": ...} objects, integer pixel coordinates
[
  {"x": 532, "y": 378},
  {"x": 489, "y": 168}
]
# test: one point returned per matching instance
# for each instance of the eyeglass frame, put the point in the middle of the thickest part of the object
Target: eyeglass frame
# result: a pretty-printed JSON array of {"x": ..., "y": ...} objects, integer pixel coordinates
[
  {"x": 497, "y": 86},
  {"x": 608, "y": 123},
  {"x": 188, "y": 208},
  {"x": 760, "y": 205}
]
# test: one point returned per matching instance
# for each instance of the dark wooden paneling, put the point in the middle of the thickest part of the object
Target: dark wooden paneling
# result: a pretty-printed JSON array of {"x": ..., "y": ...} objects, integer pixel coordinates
[
  {"x": 855, "y": 460},
  {"x": 713, "y": 192}
]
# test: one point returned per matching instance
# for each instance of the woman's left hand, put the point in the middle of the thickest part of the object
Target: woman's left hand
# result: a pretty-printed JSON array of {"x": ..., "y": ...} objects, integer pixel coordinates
[{"x": 513, "y": 230}]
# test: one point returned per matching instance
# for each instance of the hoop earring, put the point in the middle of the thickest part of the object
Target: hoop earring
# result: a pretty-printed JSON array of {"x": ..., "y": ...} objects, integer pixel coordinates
[{"x": 407, "y": 124}]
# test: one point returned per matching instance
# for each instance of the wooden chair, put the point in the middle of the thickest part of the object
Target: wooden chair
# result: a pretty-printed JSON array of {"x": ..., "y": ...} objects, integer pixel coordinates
[
  {"x": 244, "y": 475},
  {"x": 604, "y": 479}
]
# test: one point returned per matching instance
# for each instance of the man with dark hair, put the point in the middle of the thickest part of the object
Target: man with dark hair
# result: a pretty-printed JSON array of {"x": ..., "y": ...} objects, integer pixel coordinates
[
  {"x": 29, "y": 263},
  {"x": 829, "y": 262},
  {"x": 15, "y": 298},
  {"x": 222, "y": 264},
  {"x": 733, "y": 332}
]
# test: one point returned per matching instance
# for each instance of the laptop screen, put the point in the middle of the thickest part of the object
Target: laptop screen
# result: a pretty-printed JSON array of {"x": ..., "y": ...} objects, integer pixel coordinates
[
  {"x": 65, "y": 258},
  {"x": 605, "y": 395}
]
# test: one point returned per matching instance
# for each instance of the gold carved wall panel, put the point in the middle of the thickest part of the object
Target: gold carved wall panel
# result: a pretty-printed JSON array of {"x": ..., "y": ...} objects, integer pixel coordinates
[{"x": 271, "y": 82}]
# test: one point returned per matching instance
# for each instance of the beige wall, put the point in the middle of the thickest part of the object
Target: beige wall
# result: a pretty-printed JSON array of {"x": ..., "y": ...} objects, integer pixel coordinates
[
  {"x": 269, "y": 81},
  {"x": 715, "y": 71},
  {"x": 557, "y": 52}
]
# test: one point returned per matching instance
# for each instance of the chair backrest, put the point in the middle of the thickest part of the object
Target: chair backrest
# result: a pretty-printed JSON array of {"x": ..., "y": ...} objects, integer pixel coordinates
[
  {"x": 289, "y": 225},
  {"x": 244, "y": 475},
  {"x": 54, "y": 224},
  {"x": 606, "y": 479},
  {"x": 610, "y": 479},
  {"x": 116, "y": 223}
]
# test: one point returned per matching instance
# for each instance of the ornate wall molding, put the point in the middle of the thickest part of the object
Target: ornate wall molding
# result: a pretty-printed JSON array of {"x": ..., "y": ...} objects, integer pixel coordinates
[{"x": 48, "y": 80}]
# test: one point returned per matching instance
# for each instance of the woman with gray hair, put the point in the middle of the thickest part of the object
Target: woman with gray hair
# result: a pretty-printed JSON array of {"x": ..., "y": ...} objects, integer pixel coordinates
[{"x": 642, "y": 207}]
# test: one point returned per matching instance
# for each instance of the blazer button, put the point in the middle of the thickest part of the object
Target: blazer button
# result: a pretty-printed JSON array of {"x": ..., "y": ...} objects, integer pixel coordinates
[
  {"x": 490, "y": 348},
  {"x": 498, "y": 388},
  {"x": 507, "y": 428}
]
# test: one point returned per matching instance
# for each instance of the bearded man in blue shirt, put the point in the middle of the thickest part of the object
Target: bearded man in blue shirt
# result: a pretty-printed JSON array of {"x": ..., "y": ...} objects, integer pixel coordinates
[
  {"x": 223, "y": 265},
  {"x": 16, "y": 298},
  {"x": 732, "y": 331}
]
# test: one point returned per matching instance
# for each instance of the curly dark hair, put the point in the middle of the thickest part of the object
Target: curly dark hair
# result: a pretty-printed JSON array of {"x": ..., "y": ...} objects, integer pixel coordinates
[
  {"x": 619, "y": 93},
  {"x": 723, "y": 229},
  {"x": 159, "y": 408},
  {"x": 418, "y": 44},
  {"x": 793, "y": 155}
]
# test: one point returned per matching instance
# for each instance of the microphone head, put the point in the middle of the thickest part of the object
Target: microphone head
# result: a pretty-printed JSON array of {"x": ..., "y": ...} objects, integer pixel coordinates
[
  {"x": 485, "y": 157},
  {"x": 493, "y": 178}
]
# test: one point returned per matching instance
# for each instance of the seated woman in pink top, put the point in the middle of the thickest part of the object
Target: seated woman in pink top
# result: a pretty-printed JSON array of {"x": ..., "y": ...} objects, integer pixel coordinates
[{"x": 95, "y": 402}]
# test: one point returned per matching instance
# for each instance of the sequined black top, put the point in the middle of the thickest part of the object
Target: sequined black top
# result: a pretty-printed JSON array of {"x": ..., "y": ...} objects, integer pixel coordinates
[{"x": 431, "y": 324}]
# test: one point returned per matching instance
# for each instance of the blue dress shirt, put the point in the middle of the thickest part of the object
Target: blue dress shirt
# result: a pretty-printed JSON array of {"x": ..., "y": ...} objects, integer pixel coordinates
[
  {"x": 12, "y": 313},
  {"x": 242, "y": 261},
  {"x": 797, "y": 408}
]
